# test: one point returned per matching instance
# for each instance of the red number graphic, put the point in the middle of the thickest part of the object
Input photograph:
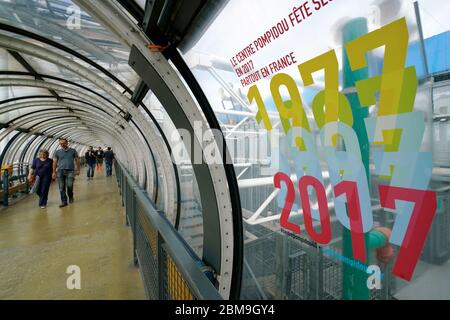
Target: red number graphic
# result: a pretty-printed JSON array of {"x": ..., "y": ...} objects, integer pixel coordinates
[
  {"x": 325, "y": 236},
  {"x": 288, "y": 202},
  {"x": 350, "y": 189},
  {"x": 418, "y": 226}
]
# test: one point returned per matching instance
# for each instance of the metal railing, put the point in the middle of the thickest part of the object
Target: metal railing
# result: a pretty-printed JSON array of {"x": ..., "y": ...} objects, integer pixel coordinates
[
  {"x": 13, "y": 180},
  {"x": 279, "y": 267},
  {"x": 169, "y": 268}
]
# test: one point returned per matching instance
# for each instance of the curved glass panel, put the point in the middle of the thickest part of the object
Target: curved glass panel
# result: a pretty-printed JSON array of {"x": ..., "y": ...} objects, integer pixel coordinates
[
  {"x": 190, "y": 217},
  {"x": 66, "y": 23},
  {"x": 321, "y": 105}
]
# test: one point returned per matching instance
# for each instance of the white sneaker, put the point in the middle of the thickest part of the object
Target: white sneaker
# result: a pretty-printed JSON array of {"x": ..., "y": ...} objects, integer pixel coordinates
[{"x": 43, "y": 207}]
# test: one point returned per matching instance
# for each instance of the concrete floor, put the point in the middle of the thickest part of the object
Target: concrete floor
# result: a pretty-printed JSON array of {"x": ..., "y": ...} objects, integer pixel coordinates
[
  {"x": 430, "y": 282},
  {"x": 37, "y": 245}
]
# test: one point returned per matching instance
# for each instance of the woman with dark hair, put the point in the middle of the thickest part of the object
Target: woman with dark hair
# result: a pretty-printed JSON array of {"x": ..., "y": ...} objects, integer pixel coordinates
[{"x": 41, "y": 169}]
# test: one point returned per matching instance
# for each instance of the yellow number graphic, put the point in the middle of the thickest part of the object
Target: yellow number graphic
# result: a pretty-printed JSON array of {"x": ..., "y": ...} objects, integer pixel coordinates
[
  {"x": 397, "y": 85},
  {"x": 254, "y": 94},
  {"x": 336, "y": 104},
  {"x": 289, "y": 109}
]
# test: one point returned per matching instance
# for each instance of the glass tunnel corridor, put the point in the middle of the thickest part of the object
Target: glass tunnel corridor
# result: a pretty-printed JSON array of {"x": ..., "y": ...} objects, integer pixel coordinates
[
  {"x": 297, "y": 151},
  {"x": 38, "y": 245}
]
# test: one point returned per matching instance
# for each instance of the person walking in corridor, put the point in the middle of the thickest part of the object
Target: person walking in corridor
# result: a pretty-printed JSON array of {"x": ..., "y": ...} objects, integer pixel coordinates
[
  {"x": 41, "y": 170},
  {"x": 109, "y": 157},
  {"x": 99, "y": 155},
  {"x": 90, "y": 158},
  {"x": 64, "y": 169}
]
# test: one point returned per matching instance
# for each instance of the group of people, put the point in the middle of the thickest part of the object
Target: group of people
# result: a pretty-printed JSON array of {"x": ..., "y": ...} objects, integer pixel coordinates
[
  {"x": 94, "y": 158},
  {"x": 64, "y": 167}
]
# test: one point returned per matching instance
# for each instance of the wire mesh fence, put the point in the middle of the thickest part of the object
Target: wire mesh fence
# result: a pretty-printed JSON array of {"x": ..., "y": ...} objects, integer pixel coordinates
[
  {"x": 280, "y": 267},
  {"x": 163, "y": 265}
]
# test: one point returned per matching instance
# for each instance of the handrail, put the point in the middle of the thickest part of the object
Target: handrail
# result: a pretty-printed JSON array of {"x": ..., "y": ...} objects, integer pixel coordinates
[
  {"x": 7, "y": 176},
  {"x": 189, "y": 267}
]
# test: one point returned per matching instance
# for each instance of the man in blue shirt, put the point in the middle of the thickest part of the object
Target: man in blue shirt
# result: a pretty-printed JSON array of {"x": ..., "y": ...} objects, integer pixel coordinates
[{"x": 64, "y": 169}]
